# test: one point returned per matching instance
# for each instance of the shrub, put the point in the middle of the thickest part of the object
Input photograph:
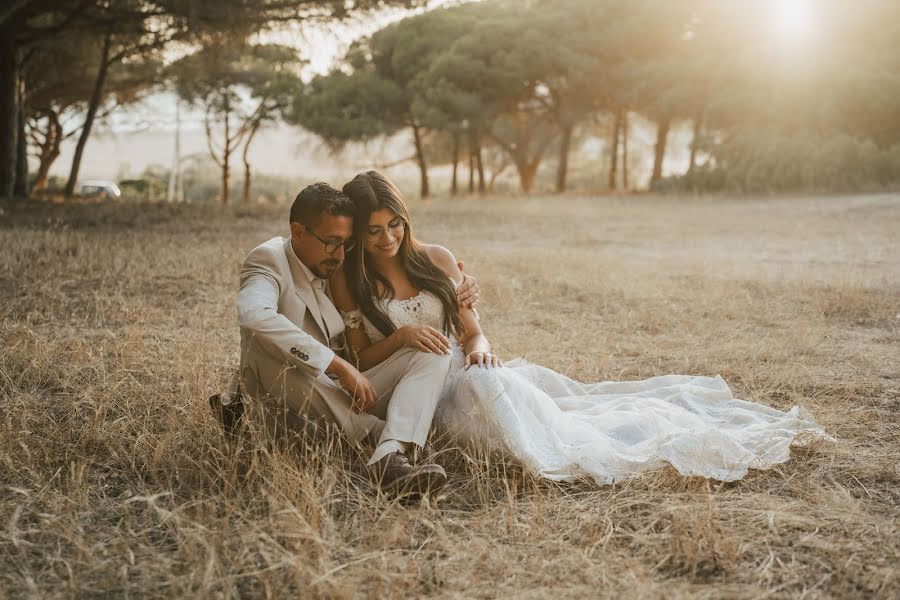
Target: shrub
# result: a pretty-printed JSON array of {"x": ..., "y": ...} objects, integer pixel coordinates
[{"x": 768, "y": 162}]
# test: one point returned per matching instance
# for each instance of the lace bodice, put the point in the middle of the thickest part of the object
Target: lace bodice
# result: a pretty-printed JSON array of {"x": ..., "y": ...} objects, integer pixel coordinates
[{"x": 421, "y": 309}]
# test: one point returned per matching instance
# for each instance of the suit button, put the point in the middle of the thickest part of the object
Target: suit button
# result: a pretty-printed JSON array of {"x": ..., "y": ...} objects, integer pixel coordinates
[{"x": 304, "y": 356}]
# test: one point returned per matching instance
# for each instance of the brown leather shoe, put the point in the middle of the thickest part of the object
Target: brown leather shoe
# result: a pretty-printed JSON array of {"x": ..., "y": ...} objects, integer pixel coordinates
[
  {"x": 396, "y": 475},
  {"x": 228, "y": 415}
]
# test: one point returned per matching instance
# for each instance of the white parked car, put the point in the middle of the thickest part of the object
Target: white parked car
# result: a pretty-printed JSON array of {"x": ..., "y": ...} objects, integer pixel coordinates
[{"x": 104, "y": 190}]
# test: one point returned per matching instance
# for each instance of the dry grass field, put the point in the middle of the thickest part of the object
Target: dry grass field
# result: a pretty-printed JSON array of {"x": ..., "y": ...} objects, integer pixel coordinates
[{"x": 117, "y": 322}]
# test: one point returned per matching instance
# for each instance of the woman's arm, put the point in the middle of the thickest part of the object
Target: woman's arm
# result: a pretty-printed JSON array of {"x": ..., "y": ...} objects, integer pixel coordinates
[
  {"x": 476, "y": 346},
  {"x": 364, "y": 353},
  {"x": 367, "y": 354}
]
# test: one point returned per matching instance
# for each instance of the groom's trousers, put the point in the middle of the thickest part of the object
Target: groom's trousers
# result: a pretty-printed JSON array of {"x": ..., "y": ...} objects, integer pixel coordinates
[{"x": 408, "y": 384}]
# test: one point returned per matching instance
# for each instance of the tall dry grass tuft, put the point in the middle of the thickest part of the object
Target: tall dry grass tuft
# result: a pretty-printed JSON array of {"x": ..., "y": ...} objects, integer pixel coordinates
[{"x": 116, "y": 322}]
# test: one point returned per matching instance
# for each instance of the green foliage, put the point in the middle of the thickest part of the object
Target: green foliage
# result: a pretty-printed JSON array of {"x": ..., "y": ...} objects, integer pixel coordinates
[
  {"x": 376, "y": 91},
  {"x": 215, "y": 73},
  {"x": 769, "y": 162},
  {"x": 341, "y": 108}
]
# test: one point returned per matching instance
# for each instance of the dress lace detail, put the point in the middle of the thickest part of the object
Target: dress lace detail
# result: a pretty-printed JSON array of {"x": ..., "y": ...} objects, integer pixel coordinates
[
  {"x": 609, "y": 431},
  {"x": 421, "y": 309},
  {"x": 352, "y": 319}
]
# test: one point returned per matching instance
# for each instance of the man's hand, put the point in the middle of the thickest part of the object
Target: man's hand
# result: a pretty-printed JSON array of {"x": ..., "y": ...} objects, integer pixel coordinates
[
  {"x": 361, "y": 392},
  {"x": 468, "y": 291}
]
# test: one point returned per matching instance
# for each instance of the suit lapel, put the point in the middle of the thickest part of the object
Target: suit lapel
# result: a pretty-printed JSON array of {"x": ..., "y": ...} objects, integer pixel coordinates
[
  {"x": 331, "y": 316},
  {"x": 306, "y": 294},
  {"x": 303, "y": 289}
]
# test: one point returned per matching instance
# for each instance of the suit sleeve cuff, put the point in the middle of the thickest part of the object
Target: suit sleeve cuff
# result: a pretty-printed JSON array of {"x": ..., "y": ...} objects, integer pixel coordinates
[
  {"x": 321, "y": 361},
  {"x": 316, "y": 359}
]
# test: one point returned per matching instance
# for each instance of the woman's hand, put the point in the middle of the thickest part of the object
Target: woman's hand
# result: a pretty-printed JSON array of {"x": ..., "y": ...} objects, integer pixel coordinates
[
  {"x": 486, "y": 360},
  {"x": 424, "y": 338}
]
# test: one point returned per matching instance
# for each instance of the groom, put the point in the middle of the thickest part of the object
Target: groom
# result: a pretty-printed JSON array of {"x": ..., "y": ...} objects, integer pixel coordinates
[{"x": 292, "y": 341}]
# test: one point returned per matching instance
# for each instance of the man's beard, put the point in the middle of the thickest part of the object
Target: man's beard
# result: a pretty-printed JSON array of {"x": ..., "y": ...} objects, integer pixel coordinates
[{"x": 325, "y": 268}]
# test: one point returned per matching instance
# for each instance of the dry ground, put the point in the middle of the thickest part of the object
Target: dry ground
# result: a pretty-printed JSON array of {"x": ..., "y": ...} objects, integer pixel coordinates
[{"x": 116, "y": 323}]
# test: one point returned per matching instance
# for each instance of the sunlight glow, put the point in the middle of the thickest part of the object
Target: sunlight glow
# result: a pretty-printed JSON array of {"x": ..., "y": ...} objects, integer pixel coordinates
[{"x": 793, "y": 19}]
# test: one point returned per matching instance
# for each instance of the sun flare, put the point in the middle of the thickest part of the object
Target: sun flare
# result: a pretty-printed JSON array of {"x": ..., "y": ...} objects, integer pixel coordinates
[{"x": 794, "y": 20}]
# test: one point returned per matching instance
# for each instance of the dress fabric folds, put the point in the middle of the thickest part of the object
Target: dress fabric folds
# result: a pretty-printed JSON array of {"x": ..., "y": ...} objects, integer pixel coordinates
[{"x": 609, "y": 431}]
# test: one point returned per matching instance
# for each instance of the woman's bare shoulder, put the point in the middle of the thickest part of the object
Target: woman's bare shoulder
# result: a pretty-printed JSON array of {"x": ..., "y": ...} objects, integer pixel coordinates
[
  {"x": 438, "y": 254},
  {"x": 443, "y": 259}
]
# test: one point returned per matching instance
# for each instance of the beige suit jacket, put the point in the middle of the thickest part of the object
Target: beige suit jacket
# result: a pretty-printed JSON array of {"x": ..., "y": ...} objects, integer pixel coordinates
[{"x": 279, "y": 314}]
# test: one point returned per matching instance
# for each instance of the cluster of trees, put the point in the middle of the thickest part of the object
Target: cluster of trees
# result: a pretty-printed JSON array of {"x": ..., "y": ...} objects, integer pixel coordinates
[
  {"x": 491, "y": 85},
  {"x": 66, "y": 63},
  {"x": 525, "y": 79},
  {"x": 239, "y": 88}
]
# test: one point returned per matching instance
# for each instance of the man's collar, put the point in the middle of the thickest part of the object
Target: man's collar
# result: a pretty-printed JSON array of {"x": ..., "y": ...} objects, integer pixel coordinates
[{"x": 293, "y": 256}]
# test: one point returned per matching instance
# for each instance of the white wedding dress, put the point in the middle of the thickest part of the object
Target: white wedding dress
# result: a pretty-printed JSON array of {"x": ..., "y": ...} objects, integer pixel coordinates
[{"x": 609, "y": 431}]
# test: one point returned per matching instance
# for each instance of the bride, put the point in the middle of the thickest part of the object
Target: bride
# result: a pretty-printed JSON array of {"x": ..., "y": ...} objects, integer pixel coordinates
[{"x": 394, "y": 292}]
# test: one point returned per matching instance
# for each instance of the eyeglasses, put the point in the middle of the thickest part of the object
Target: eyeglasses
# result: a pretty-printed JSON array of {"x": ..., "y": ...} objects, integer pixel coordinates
[
  {"x": 332, "y": 245},
  {"x": 395, "y": 225}
]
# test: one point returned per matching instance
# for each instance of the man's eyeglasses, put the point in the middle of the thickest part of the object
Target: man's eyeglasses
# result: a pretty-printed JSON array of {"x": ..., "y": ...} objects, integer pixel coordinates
[{"x": 332, "y": 245}]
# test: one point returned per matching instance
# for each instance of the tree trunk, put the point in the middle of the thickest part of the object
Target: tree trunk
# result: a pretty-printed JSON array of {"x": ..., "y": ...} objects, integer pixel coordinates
[
  {"x": 527, "y": 171},
  {"x": 471, "y": 170},
  {"x": 420, "y": 159},
  {"x": 562, "y": 166},
  {"x": 49, "y": 149},
  {"x": 93, "y": 105},
  {"x": 223, "y": 195},
  {"x": 494, "y": 175},
  {"x": 659, "y": 151},
  {"x": 9, "y": 113},
  {"x": 21, "y": 187},
  {"x": 625, "y": 151},
  {"x": 253, "y": 129},
  {"x": 698, "y": 128},
  {"x": 454, "y": 185},
  {"x": 226, "y": 154},
  {"x": 480, "y": 164},
  {"x": 246, "y": 181},
  {"x": 614, "y": 152}
]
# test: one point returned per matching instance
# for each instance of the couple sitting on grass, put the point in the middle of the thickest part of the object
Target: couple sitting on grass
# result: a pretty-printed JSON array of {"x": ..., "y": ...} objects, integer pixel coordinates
[{"x": 352, "y": 321}]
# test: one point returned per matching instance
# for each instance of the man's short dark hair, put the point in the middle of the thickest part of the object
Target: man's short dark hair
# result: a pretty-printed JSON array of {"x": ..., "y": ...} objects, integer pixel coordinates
[{"x": 320, "y": 199}]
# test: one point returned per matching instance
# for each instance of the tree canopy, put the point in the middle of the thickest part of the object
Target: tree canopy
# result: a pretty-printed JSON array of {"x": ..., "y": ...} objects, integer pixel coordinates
[
  {"x": 525, "y": 76},
  {"x": 506, "y": 82},
  {"x": 125, "y": 32}
]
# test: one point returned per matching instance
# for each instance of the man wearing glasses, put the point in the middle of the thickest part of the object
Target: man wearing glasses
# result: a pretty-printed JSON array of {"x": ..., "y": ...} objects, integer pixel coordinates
[{"x": 292, "y": 341}]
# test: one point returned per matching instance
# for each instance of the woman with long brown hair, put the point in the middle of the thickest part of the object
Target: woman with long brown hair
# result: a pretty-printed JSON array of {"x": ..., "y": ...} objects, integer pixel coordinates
[{"x": 395, "y": 293}]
